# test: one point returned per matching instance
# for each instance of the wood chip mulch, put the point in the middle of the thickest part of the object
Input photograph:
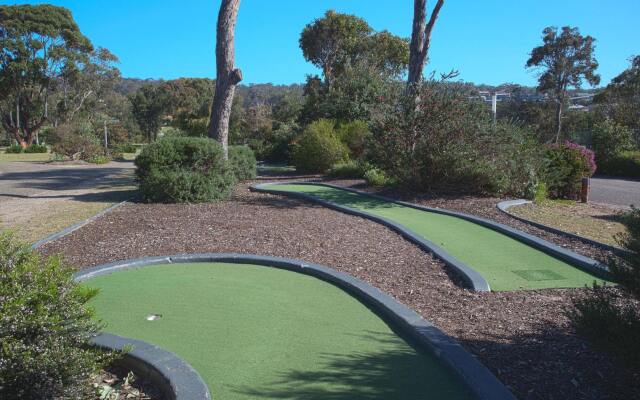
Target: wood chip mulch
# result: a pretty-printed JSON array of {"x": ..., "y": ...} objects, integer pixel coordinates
[{"x": 524, "y": 337}]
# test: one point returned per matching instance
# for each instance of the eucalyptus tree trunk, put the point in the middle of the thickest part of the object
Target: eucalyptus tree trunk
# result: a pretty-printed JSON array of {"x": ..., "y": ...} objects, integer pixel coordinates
[
  {"x": 227, "y": 76},
  {"x": 420, "y": 40}
]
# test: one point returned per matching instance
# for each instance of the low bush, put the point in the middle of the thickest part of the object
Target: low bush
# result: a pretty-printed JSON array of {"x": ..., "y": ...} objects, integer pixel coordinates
[
  {"x": 609, "y": 317},
  {"x": 126, "y": 148},
  {"x": 354, "y": 135},
  {"x": 626, "y": 164},
  {"x": 348, "y": 170},
  {"x": 566, "y": 165},
  {"x": 184, "y": 170},
  {"x": 14, "y": 148},
  {"x": 45, "y": 327},
  {"x": 99, "y": 159},
  {"x": 376, "y": 177},
  {"x": 318, "y": 148},
  {"x": 77, "y": 141},
  {"x": 242, "y": 162},
  {"x": 36, "y": 148}
]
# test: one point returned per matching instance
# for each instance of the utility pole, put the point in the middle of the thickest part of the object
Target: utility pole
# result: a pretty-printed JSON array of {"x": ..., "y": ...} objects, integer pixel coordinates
[
  {"x": 106, "y": 135},
  {"x": 494, "y": 106}
]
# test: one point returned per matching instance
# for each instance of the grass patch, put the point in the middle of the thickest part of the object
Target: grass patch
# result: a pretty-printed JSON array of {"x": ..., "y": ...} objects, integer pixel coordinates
[
  {"x": 592, "y": 221},
  {"x": 24, "y": 157}
]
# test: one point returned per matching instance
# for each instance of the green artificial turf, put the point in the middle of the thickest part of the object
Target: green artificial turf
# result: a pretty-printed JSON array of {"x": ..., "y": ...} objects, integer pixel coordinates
[
  {"x": 255, "y": 332},
  {"x": 505, "y": 263}
]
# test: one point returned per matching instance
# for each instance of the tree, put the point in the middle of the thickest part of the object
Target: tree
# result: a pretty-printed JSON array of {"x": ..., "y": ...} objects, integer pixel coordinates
[
  {"x": 148, "y": 105},
  {"x": 227, "y": 75},
  {"x": 37, "y": 45},
  {"x": 566, "y": 59},
  {"x": 420, "y": 39}
]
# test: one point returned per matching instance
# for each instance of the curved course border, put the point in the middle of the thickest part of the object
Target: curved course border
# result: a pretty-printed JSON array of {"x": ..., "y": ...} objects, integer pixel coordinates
[
  {"x": 74, "y": 227},
  {"x": 505, "y": 205},
  {"x": 480, "y": 381},
  {"x": 470, "y": 276}
]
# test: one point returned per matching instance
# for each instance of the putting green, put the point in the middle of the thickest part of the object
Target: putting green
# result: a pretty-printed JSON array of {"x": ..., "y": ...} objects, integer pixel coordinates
[
  {"x": 505, "y": 263},
  {"x": 255, "y": 332}
]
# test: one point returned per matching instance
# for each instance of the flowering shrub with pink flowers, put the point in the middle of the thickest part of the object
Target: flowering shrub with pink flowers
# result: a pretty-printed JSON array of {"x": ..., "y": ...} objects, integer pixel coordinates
[{"x": 566, "y": 164}]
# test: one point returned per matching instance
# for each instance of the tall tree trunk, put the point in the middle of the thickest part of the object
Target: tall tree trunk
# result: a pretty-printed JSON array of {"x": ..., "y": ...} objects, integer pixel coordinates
[
  {"x": 227, "y": 76},
  {"x": 558, "y": 119},
  {"x": 420, "y": 39}
]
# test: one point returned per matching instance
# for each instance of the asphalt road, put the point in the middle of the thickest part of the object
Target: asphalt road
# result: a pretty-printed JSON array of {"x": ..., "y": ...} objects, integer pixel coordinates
[
  {"x": 619, "y": 192},
  {"x": 24, "y": 180}
]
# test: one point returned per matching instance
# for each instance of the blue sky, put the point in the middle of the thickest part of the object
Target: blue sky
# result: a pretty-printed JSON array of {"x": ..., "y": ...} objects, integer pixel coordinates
[{"x": 488, "y": 41}]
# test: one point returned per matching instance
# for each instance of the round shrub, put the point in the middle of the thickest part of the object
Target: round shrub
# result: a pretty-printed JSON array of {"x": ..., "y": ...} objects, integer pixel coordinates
[
  {"x": 610, "y": 140},
  {"x": 348, "y": 170},
  {"x": 566, "y": 165},
  {"x": 184, "y": 170},
  {"x": 242, "y": 162},
  {"x": 45, "y": 327},
  {"x": 318, "y": 148},
  {"x": 354, "y": 135}
]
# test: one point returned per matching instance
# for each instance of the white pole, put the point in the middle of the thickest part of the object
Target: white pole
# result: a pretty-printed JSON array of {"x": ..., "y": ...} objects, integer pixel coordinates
[
  {"x": 494, "y": 106},
  {"x": 106, "y": 144}
]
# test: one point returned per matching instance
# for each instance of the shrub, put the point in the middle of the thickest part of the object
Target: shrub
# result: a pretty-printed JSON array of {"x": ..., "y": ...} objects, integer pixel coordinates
[
  {"x": 354, "y": 135},
  {"x": 36, "y": 148},
  {"x": 45, "y": 327},
  {"x": 318, "y": 148},
  {"x": 566, "y": 165},
  {"x": 126, "y": 148},
  {"x": 98, "y": 159},
  {"x": 14, "y": 149},
  {"x": 242, "y": 162},
  {"x": 610, "y": 140},
  {"x": 77, "y": 141},
  {"x": 376, "y": 177},
  {"x": 626, "y": 164},
  {"x": 183, "y": 170},
  {"x": 449, "y": 141},
  {"x": 608, "y": 317},
  {"x": 348, "y": 170}
]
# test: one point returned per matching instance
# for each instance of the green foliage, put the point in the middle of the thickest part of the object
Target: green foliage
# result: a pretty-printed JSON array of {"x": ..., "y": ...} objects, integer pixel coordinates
[
  {"x": 36, "y": 148},
  {"x": 565, "y": 166},
  {"x": 14, "y": 149},
  {"x": 541, "y": 193},
  {"x": 376, "y": 177},
  {"x": 45, "y": 327},
  {"x": 318, "y": 148},
  {"x": 626, "y": 164},
  {"x": 98, "y": 159},
  {"x": 148, "y": 106},
  {"x": 242, "y": 162},
  {"x": 126, "y": 148},
  {"x": 610, "y": 140},
  {"x": 354, "y": 135},
  {"x": 348, "y": 170},
  {"x": 610, "y": 318},
  {"x": 77, "y": 141},
  {"x": 184, "y": 170},
  {"x": 448, "y": 141}
]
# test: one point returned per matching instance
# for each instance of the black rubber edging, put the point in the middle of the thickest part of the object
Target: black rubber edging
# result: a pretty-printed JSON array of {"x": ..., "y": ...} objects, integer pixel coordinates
[
  {"x": 505, "y": 205},
  {"x": 585, "y": 263},
  {"x": 478, "y": 379},
  {"x": 470, "y": 276},
  {"x": 74, "y": 227}
]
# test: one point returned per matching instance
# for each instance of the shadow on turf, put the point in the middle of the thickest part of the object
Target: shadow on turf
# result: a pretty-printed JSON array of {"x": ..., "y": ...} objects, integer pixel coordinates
[{"x": 393, "y": 372}]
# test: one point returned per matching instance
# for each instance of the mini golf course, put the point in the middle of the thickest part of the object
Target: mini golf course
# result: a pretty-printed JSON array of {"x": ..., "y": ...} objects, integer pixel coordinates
[
  {"x": 504, "y": 262},
  {"x": 255, "y": 332}
]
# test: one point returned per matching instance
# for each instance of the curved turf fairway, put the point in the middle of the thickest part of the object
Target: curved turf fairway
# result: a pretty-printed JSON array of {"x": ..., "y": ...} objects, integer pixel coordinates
[
  {"x": 255, "y": 332},
  {"x": 505, "y": 263}
]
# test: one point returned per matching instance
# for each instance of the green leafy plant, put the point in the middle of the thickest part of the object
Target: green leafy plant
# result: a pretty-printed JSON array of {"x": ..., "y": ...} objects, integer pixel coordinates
[
  {"x": 184, "y": 170},
  {"x": 14, "y": 149},
  {"x": 348, "y": 170},
  {"x": 242, "y": 162},
  {"x": 318, "y": 148},
  {"x": 376, "y": 177},
  {"x": 36, "y": 148},
  {"x": 45, "y": 327},
  {"x": 610, "y": 317},
  {"x": 566, "y": 165}
]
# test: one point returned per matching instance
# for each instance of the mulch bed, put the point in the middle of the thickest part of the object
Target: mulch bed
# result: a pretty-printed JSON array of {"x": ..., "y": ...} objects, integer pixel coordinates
[
  {"x": 136, "y": 388},
  {"x": 523, "y": 337}
]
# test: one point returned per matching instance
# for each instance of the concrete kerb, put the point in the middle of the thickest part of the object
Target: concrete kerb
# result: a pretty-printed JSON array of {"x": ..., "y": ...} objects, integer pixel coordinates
[
  {"x": 480, "y": 381},
  {"x": 585, "y": 263},
  {"x": 505, "y": 205},
  {"x": 74, "y": 227}
]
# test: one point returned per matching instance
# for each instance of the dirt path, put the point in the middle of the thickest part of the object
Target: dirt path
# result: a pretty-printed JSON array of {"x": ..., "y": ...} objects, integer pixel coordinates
[{"x": 37, "y": 199}]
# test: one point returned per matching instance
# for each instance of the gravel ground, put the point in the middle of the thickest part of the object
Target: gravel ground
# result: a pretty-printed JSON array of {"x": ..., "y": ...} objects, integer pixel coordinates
[{"x": 523, "y": 337}]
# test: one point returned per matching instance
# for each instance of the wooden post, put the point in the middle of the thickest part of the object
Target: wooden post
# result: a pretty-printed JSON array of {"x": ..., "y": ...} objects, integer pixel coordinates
[{"x": 584, "y": 193}]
